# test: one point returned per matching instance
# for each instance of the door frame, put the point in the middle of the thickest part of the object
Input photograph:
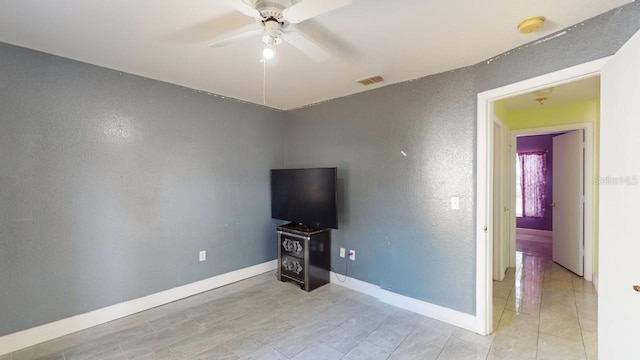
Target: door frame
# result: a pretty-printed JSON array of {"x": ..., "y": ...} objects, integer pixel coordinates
[
  {"x": 588, "y": 173},
  {"x": 499, "y": 241},
  {"x": 502, "y": 242},
  {"x": 484, "y": 183}
]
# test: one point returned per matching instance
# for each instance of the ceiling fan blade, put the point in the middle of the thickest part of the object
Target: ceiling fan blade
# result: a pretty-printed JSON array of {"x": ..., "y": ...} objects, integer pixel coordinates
[
  {"x": 245, "y": 8},
  {"x": 306, "y": 45},
  {"x": 206, "y": 30},
  {"x": 244, "y": 32},
  {"x": 307, "y": 9}
]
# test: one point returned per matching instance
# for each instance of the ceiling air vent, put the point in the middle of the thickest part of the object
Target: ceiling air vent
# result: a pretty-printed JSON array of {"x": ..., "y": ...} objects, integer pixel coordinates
[{"x": 371, "y": 80}]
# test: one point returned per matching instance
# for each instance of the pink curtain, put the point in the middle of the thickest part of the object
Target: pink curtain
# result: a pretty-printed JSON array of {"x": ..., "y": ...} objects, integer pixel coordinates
[{"x": 533, "y": 182}]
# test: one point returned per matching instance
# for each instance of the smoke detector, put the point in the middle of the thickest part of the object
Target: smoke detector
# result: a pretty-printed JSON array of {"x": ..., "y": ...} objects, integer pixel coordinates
[{"x": 531, "y": 24}]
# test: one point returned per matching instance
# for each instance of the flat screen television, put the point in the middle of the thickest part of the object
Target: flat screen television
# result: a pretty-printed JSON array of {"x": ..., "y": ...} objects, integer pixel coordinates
[{"x": 305, "y": 196}]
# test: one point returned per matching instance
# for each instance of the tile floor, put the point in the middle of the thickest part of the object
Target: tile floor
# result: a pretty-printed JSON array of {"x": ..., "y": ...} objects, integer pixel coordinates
[{"x": 541, "y": 311}]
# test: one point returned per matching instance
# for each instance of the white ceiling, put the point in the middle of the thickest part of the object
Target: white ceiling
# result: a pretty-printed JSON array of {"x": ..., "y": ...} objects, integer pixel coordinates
[
  {"x": 167, "y": 40},
  {"x": 582, "y": 90}
]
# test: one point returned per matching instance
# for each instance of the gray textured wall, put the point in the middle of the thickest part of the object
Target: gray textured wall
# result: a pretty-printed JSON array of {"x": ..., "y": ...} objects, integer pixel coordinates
[
  {"x": 110, "y": 184},
  {"x": 395, "y": 209}
]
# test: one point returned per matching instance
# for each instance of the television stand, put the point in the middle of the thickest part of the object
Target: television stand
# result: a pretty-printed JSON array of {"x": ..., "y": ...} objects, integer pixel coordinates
[{"x": 304, "y": 255}]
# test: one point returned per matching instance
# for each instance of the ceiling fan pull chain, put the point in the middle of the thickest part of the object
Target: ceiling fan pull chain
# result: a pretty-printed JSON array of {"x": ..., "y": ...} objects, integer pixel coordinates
[{"x": 264, "y": 82}]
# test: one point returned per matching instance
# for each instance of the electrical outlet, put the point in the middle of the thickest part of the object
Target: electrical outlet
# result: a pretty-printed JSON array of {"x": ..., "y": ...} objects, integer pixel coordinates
[
  {"x": 203, "y": 255},
  {"x": 342, "y": 251},
  {"x": 352, "y": 255}
]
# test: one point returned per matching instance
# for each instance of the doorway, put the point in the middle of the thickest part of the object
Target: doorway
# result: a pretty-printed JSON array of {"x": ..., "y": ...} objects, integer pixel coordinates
[
  {"x": 544, "y": 153},
  {"x": 485, "y": 194},
  {"x": 583, "y": 227}
]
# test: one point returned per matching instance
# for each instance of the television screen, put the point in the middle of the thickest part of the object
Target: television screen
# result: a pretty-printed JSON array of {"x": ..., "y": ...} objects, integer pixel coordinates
[{"x": 306, "y": 196}]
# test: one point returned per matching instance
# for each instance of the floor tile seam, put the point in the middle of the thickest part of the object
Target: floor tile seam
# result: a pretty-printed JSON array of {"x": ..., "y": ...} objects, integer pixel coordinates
[
  {"x": 169, "y": 346},
  {"x": 397, "y": 346},
  {"x": 378, "y": 347},
  {"x": 283, "y": 355},
  {"x": 368, "y": 332},
  {"x": 278, "y": 352},
  {"x": 443, "y": 347},
  {"x": 400, "y": 344},
  {"x": 564, "y": 338},
  {"x": 580, "y": 320},
  {"x": 584, "y": 346},
  {"x": 122, "y": 352},
  {"x": 575, "y": 304},
  {"x": 540, "y": 317},
  {"x": 449, "y": 336},
  {"x": 538, "y": 340},
  {"x": 492, "y": 347},
  {"x": 194, "y": 355},
  {"x": 338, "y": 350},
  {"x": 495, "y": 326},
  {"x": 152, "y": 327}
]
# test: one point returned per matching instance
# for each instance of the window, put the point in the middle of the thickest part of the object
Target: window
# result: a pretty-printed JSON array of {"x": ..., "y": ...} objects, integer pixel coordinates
[{"x": 531, "y": 181}]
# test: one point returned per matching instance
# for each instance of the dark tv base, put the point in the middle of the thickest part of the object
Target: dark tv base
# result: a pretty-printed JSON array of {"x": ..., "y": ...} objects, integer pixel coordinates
[{"x": 304, "y": 255}]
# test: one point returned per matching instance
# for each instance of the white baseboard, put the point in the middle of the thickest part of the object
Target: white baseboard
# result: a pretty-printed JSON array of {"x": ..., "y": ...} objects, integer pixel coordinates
[
  {"x": 355, "y": 284},
  {"x": 20, "y": 340},
  {"x": 453, "y": 317}
]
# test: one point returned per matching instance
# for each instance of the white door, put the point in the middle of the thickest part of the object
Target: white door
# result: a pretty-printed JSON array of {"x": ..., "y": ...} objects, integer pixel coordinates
[
  {"x": 619, "y": 244},
  {"x": 568, "y": 194}
]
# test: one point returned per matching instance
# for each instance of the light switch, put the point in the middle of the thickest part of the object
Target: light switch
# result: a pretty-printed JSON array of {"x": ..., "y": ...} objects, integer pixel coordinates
[{"x": 455, "y": 203}]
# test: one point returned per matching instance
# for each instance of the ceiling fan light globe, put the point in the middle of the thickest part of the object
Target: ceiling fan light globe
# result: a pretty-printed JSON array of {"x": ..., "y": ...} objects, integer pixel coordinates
[{"x": 268, "y": 53}]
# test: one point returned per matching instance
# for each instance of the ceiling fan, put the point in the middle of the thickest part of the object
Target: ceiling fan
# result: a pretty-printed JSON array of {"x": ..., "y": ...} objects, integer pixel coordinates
[{"x": 274, "y": 19}]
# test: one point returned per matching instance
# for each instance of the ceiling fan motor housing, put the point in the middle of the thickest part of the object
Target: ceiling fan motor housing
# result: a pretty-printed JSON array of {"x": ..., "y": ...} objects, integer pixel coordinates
[{"x": 270, "y": 9}]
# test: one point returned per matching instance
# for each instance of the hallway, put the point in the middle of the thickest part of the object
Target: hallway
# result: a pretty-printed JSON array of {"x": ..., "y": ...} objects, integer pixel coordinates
[{"x": 541, "y": 310}]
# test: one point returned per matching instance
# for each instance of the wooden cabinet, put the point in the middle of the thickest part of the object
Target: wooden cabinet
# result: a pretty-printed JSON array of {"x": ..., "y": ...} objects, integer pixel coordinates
[{"x": 304, "y": 255}]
